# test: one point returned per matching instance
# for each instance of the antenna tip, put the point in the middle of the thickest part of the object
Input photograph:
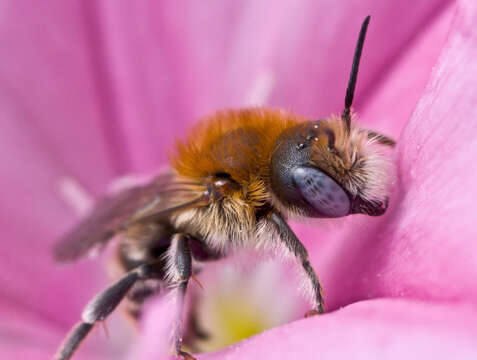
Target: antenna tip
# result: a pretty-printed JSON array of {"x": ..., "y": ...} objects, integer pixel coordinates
[{"x": 366, "y": 21}]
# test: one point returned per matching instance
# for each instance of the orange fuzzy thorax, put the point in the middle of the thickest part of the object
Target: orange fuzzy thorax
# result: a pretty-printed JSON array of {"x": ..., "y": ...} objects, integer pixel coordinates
[{"x": 239, "y": 143}]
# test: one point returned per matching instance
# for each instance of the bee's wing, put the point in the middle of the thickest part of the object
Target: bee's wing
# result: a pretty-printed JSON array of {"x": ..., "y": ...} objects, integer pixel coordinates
[{"x": 115, "y": 213}]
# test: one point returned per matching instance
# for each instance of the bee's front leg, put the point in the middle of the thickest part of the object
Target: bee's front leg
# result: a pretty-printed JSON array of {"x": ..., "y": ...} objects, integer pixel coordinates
[
  {"x": 179, "y": 271},
  {"x": 296, "y": 248}
]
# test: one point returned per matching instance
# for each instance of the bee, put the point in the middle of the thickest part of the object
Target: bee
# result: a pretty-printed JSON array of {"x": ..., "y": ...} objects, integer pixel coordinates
[{"x": 234, "y": 182}]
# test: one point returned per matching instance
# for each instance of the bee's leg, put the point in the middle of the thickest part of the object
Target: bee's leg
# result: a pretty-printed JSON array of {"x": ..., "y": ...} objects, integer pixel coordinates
[
  {"x": 179, "y": 271},
  {"x": 294, "y": 246},
  {"x": 380, "y": 138},
  {"x": 101, "y": 306}
]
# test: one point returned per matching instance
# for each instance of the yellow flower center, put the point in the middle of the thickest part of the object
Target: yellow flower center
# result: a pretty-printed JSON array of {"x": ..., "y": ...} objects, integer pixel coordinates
[{"x": 237, "y": 304}]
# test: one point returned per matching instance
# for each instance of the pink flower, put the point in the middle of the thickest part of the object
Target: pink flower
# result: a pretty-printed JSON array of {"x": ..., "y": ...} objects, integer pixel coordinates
[{"x": 93, "y": 90}]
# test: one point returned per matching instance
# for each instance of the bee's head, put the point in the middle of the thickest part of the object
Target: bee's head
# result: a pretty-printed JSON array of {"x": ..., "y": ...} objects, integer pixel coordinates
[
  {"x": 323, "y": 169},
  {"x": 331, "y": 168}
]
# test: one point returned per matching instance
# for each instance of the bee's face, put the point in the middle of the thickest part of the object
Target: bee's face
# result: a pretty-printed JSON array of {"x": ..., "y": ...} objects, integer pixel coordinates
[{"x": 319, "y": 169}]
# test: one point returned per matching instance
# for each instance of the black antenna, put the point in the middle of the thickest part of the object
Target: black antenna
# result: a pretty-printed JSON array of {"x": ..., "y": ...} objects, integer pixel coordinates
[{"x": 346, "y": 116}]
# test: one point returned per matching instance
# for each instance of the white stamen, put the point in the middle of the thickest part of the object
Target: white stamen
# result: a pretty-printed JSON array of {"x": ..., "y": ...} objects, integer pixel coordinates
[
  {"x": 94, "y": 252},
  {"x": 125, "y": 182},
  {"x": 261, "y": 88},
  {"x": 75, "y": 195}
]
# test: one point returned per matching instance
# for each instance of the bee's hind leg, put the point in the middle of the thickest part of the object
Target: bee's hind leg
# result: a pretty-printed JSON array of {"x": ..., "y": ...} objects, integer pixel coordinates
[
  {"x": 179, "y": 271},
  {"x": 101, "y": 306}
]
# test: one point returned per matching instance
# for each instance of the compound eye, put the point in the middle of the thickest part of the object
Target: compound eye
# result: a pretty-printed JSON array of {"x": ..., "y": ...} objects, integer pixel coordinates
[{"x": 323, "y": 193}]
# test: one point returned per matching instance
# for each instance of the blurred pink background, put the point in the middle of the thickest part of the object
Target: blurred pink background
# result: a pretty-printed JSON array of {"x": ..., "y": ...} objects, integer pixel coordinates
[{"x": 94, "y": 90}]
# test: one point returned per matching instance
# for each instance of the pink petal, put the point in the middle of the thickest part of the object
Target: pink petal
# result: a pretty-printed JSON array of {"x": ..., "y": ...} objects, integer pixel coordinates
[
  {"x": 392, "y": 100},
  {"x": 378, "y": 329},
  {"x": 433, "y": 230},
  {"x": 155, "y": 342},
  {"x": 51, "y": 129}
]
